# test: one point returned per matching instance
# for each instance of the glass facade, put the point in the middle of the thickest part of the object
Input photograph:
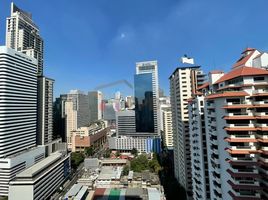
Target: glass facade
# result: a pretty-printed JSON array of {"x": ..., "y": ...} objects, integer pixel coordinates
[{"x": 144, "y": 103}]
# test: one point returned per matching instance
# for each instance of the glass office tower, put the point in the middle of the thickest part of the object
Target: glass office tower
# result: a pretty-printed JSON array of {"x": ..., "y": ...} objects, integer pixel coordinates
[{"x": 144, "y": 103}]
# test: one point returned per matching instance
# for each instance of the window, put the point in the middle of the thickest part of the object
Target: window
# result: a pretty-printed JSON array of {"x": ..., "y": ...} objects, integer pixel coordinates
[{"x": 259, "y": 78}]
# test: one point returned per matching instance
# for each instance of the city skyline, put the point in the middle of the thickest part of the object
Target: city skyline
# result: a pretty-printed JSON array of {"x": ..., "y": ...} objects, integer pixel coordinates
[{"x": 113, "y": 45}]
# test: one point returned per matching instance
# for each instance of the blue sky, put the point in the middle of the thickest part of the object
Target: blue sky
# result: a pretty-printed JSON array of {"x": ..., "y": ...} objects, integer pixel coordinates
[{"x": 93, "y": 42}]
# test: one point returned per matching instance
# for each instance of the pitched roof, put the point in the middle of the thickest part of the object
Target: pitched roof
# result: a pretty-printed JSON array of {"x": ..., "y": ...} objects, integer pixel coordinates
[
  {"x": 206, "y": 84},
  {"x": 242, "y": 71},
  {"x": 227, "y": 94},
  {"x": 244, "y": 59}
]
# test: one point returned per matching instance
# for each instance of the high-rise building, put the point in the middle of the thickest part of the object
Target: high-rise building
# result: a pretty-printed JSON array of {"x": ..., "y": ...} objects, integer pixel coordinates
[
  {"x": 59, "y": 121},
  {"x": 25, "y": 107},
  {"x": 18, "y": 85},
  {"x": 18, "y": 105},
  {"x": 77, "y": 112},
  {"x": 45, "y": 110},
  {"x": 146, "y": 98},
  {"x": 236, "y": 128},
  {"x": 167, "y": 134},
  {"x": 198, "y": 142},
  {"x": 125, "y": 122},
  {"x": 95, "y": 105},
  {"x": 23, "y": 35},
  {"x": 183, "y": 83},
  {"x": 130, "y": 102}
]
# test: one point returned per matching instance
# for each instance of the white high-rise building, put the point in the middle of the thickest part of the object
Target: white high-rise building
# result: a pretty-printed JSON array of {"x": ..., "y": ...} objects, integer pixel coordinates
[
  {"x": 18, "y": 103},
  {"x": 95, "y": 105},
  {"x": 183, "y": 84},
  {"x": 45, "y": 110},
  {"x": 23, "y": 35},
  {"x": 198, "y": 141},
  {"x": 167, "y": 135},
  {"x": 150, "y": 67},
  {"x": 18, "y": 106}
]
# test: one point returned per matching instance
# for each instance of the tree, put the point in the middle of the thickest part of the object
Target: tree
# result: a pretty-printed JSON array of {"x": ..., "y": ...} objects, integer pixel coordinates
[
  {"x": 76, "y": 159},
  {"x": 89, "y": 151},
  {"x": 139, "y": 163},
  {"x": 134, "y": 152},
  {"x": 125, "y": 170},
  {"x": 107, "y": 153},
  {"x": 117, "y": 154}
]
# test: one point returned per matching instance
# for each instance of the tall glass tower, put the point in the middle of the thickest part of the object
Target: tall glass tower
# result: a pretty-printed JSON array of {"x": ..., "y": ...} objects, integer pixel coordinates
[{"x": 146, "y": 98}]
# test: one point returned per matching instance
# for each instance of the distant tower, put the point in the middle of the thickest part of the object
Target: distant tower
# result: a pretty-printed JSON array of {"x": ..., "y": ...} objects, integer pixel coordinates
[{"x": 23, "y": 35}]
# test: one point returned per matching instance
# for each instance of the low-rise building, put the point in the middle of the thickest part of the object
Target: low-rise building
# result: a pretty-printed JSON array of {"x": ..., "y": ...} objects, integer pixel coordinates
[
  {"x": 41, "y": 180},
  {"x": 93, "y": 135}
]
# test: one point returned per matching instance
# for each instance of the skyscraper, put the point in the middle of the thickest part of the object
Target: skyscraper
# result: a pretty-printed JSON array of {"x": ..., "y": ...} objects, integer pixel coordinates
[
  {"x": 18, "y": 99},
  {"x": 23, "y": 35},
  {"x": 26, "y": 104},
  {"x": 77, "y": 112},
  {"x": 59, "y": 121},
  {"x": 95, "y": 105},
  {"x": 45, "y": 110},
  {"x": 146, "y": 98},
  {"x": 183, "y": 83}
]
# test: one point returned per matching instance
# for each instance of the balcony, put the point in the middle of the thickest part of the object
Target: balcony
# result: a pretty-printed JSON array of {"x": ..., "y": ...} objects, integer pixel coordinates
[
  {"x": 240, "y": 127},
  {"x": 261, "y": 114},
  {"x": 260, "y": 102},
  {"x": 264, "y": 160},
  {"x": 245, "y": 184},
  {"x": 241, "y": 138},
  {"x": 246, "y": 173},
  {"x": 242, "y": 150},
  {"x": 260, "y": 92},
  {"x": 262, "y": 126},
  {"x": 264, "y": 150},
  {"x": 262, "y": 138},
  {"x": 244, "y": 195}
]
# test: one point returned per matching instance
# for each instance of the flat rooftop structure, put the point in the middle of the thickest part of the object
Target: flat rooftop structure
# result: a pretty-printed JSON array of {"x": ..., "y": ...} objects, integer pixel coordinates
[
  {"x": 153, "y": 194},
  {"x": 74, "y": 190},
  {"x": 40, "y": 166},
  {"x": 113, "y": 161},
  {"x": 81, "y": 194},
  {"x": 109, "y": 173}
]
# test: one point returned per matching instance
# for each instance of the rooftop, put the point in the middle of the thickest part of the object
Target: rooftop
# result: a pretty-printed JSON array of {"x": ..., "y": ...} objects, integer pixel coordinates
[
  {"x": 38, "y": 167},
  {"x": 242, "y": 71}
]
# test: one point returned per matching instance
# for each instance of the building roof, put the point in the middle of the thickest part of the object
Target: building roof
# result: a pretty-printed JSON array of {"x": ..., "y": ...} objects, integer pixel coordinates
[
  {"x": 74, "y": 190},
  {"x": 242, "y": 71},
  {"x": 206, "y": 84},
  {"x": 81, "y": 193},
  {"x": 43, "y": 164},
  {"x": 114, "y": 161},
  {"x": 185, "y": 66},
  {"x": 227, "y": 94},
  {"x": 244, "y": 58},
  {"x": 153, "y": 194}
]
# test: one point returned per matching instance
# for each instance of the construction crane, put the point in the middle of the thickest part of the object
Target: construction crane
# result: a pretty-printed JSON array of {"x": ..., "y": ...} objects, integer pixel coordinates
[{"x": 114, "y": 83}]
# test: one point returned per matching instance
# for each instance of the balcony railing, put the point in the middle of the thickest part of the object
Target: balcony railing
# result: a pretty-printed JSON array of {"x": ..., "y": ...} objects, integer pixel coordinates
[
  {"x": 243, "y": 136},
  {"x": 244, "y": 159},
  {"x": 261, "y": 113},
  {"x": 243, "y": 148},
  {"x": 240, "y": 125},
  {"x": 239, "y": 114},
  {"x": 261, "y": 102},
  {"x": 259, "y": 91}
]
